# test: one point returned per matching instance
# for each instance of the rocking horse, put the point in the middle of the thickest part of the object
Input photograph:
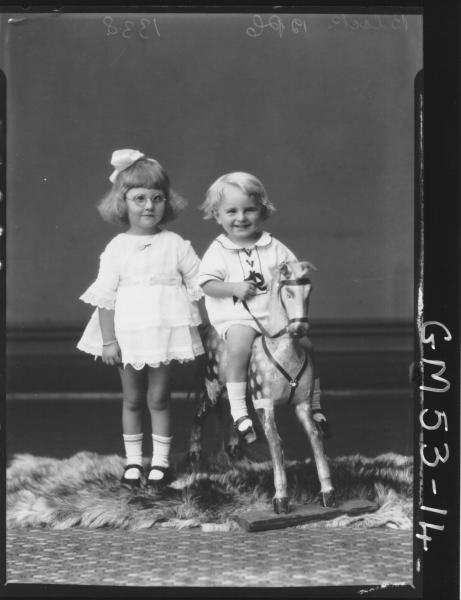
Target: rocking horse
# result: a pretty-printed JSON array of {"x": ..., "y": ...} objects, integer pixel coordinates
[{"x": 280, "y": 372}]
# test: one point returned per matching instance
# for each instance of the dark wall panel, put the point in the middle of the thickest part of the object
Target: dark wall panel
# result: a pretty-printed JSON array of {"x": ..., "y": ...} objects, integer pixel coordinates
[{"x": 322, "y": 113}]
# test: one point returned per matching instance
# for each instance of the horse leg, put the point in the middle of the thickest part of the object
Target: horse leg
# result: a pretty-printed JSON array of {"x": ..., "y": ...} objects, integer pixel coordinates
[
  {"x": 304, "y": 414},
  {"x": 267, "y": 417}
]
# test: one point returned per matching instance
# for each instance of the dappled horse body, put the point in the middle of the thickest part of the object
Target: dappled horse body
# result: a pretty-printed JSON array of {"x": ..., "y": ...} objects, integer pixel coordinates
[{"x": 281, "y": 371}]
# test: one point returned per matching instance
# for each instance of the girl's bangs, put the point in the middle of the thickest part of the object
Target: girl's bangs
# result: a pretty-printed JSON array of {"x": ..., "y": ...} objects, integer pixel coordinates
[{"x": 150, "y": 177}]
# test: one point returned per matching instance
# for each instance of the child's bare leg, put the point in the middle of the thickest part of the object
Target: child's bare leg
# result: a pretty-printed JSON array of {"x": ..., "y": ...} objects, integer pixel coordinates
[
  {"x": 134, "y": 398},
  {"x": 158, "y": 400},
  {"x": 239, "y": 340}
]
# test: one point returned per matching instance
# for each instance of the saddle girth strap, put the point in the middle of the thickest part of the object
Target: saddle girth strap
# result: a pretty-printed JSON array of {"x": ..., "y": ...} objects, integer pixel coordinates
[{"x": 292, "y": 381}]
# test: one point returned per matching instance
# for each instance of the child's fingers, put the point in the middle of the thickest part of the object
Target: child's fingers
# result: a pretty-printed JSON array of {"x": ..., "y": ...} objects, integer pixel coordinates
[{"x": 112, "y": 359}]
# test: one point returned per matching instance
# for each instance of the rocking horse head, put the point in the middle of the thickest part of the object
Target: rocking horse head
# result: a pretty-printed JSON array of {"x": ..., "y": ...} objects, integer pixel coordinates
[{"x": 291, "y": 288}]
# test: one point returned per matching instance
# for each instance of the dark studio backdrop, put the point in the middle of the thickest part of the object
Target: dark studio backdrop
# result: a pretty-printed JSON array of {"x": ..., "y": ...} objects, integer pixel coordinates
[{"x": 319, "y": 107}]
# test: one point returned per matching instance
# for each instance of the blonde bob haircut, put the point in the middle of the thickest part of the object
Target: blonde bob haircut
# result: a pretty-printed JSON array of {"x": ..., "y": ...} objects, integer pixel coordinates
[
  {"x": 247, "y": 183},
  {"x": 144, "y": 173}
]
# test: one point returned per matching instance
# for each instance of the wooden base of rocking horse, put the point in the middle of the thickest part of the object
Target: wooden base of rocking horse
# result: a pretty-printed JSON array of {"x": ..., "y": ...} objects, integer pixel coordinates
[{"x": 260, "y": 520}]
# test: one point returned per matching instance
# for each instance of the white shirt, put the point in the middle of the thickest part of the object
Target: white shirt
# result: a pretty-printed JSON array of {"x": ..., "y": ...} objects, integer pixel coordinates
[{"x": 225, "y": 261}]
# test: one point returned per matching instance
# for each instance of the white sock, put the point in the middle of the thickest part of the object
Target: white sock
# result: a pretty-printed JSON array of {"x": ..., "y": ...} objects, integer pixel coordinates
[
  {"x": 160, "y": 455},
  {"x": 133, "y": 450},
  {"x": 237, "y": 401}
]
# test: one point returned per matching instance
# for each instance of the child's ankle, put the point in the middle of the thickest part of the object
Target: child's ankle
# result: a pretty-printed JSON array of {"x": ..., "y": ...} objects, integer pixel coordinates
[{"x": 236, "y": 392}]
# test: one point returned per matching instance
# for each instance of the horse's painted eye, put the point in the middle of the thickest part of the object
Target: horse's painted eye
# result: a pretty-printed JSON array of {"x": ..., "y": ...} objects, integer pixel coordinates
[{"x": 289, "y": 293}]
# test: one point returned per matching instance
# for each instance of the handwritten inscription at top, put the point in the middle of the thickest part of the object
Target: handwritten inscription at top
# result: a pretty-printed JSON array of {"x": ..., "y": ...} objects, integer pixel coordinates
[
  {"x": 369, "y": 22},
  {"x": 276, "y": 24},
  {"x": 283, "y": 25},
  {"x": 144, "y": 28}
]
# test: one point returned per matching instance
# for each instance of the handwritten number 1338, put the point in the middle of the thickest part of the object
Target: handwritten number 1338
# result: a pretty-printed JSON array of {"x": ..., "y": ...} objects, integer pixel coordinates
[{"x": 127, "y": 28}]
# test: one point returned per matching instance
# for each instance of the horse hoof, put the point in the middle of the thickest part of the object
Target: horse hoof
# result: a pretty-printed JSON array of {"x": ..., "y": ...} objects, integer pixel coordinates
[
  {"x": 280, "y": 505},
  {"x": 328, "y": 499}
]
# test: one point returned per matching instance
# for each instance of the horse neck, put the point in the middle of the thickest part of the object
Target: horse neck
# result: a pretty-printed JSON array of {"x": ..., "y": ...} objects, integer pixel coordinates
[{"x": 277, "y": 315}]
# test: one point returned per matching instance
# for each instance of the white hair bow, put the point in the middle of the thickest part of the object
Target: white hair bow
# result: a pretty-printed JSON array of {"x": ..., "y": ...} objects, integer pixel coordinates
[{"x": 122, "y": 159}]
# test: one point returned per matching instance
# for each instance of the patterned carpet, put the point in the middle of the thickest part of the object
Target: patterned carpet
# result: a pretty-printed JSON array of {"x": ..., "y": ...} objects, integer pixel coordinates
[
  {"x": 294, "y": 557},
  {"x": 311, "y": 556}
]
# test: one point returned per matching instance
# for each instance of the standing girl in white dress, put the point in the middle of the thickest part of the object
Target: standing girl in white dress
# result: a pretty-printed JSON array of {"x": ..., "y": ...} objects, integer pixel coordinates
[{"x": 145, "y": 297}]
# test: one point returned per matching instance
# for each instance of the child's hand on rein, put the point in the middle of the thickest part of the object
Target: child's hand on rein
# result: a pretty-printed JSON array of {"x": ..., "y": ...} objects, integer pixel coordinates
[
  {"x": 244, "y": 290},
  {"x": 111, "y": 354}
]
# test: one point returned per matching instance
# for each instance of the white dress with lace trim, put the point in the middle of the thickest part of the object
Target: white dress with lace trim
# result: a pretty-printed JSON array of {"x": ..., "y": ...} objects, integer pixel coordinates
[{"x": 151, "y": 284}]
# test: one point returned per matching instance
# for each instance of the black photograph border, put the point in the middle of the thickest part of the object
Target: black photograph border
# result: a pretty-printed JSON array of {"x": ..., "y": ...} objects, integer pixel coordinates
[{"x": 437, "y": 324}]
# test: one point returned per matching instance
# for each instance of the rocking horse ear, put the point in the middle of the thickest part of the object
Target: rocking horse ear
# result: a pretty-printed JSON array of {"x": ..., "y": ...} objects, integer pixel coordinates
[
  {"x": 284, "y": 269},
  {"x": 307, "y": 266}
]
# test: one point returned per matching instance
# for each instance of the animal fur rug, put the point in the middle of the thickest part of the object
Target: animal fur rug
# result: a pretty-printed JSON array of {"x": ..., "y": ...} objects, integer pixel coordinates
[{"x": 84, "y": 491}]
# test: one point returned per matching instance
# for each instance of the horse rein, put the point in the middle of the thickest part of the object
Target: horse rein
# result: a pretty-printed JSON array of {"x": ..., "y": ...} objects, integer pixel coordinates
[
  {"x": 299, "y": 281},
  {"x": 265, "y": 334}
]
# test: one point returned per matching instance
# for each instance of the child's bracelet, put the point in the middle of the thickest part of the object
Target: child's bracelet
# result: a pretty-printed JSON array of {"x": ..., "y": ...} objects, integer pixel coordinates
[{"x": 109, "y": 343}]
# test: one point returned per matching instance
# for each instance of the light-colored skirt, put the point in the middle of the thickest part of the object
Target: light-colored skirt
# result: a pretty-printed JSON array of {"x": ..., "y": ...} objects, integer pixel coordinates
[{"x": 147, "y": 346}]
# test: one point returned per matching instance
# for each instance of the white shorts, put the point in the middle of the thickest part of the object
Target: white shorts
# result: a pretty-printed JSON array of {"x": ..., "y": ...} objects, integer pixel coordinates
[{"x": 223, "y": 327}]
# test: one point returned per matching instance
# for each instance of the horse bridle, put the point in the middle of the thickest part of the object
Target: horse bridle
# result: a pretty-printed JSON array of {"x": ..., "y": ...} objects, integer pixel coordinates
[
  {"x": 293, "y": 381},
  {"x": 282, "y": 283}
]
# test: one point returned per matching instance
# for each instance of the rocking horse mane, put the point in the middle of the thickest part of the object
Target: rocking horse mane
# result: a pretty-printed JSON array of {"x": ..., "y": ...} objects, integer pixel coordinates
[{"x": 305, "y": 267}]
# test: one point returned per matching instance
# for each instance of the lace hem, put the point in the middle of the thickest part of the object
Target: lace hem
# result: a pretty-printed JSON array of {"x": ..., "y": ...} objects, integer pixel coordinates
[
  {"x": 98, "y": 300},
  {"x": 139, "y": 366}
]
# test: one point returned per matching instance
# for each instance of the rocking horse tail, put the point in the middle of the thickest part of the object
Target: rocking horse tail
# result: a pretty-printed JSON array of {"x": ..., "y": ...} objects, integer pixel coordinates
[{"x": 194, "y": 454}]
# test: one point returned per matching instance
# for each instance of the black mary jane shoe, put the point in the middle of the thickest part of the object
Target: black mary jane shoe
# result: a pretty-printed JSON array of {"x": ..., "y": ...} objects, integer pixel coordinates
[
  {"x": 248, "y": 434},
  {"x": 133, "y": 483},
  {"x": 157, "y": 484},
  {"x": 323, "y": 426}
]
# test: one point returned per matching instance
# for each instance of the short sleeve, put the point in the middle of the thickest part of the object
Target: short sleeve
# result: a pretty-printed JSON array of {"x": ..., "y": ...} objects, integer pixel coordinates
[
  {"x": 102, "y": 292},
  {"x": 212, "y": 267},
  {"x": 188, "y": 266},
  {"x": 284, "y": 253}
]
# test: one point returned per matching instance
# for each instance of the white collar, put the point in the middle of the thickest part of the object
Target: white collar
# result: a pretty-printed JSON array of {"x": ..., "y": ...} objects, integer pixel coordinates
[{"x": 264, "y": 240}]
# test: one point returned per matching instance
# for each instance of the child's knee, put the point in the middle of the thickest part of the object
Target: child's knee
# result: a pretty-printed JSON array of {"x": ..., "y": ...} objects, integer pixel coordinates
[
  {"x": 239, "y": 348},
  {"x": 133, "y": 401},
  {"x": 157, "y": 400}
]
